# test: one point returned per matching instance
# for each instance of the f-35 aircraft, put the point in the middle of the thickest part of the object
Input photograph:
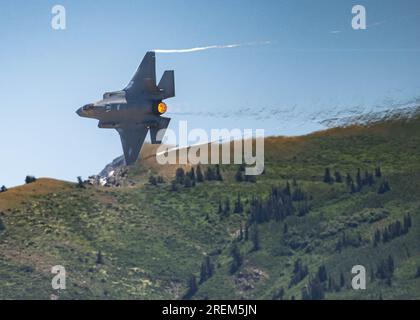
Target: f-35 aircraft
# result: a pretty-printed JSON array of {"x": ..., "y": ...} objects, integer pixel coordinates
[{"x": 135, "y": 109}]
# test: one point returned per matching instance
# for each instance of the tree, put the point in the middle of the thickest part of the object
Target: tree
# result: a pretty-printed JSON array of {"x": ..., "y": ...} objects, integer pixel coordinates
[
  {"x": 278, "y": 294},
  {"x": 192, "y": 288},
  {"x": 255, "y": 238},
  {"x": 192, "y": 175},
  {"x": 210, "y": 174},
  {"x": 174, "y": 186},
  {"x": 226, "y": 209},
  {"x": 219, "y": 176},
  {"x": 241, "y": 233},
  {"x": 338, "y": 177},
  {"x": 152, "y": 180},
  {"x": 313, "y": 291},
  {"x": 180, "y": 175},
  {"x": 250, "y": 178},
  {"x": 359, "y": 180},
  {"x": 349, "y": 179},
  {"x": 99, "y": 258},
  {"x": 238, "y": 205},
  {"x": 200, "y": 177},
  {"x": 342, "y": 280},
  {"x": 322, "y": 273},
  {"x": 80, "y": 183},
  {"x": 207, "y": 269},
  {"x": 418, "y": 272},
  {"x": 187, "y": 182},
  {"x": 3, "y": 189},
  {"x": 2, "y": 227},
  {"x": 285, "y": 228},
  {"x": 237, "y": 259},
  {"x": 246, "y": 232},
  {"x": 384, "y": 187},
  {"x": 327, "y": 176},
  {"x": 239, "y": 176},
  {"x": 378, "y": 172},
  {"x": 353, "y": 188},
  {"x": 30, "y": 179}
]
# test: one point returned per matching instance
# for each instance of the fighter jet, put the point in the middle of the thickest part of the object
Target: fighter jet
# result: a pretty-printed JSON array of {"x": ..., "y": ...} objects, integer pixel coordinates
[{"x": 135, "y": 109}]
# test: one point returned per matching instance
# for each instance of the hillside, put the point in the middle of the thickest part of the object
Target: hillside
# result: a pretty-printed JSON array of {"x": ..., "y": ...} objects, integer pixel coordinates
[{"x": 145, "y": 241}]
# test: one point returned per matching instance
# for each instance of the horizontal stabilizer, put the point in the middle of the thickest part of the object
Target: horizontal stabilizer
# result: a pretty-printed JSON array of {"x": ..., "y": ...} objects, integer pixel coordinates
[{"x": 157, "y": 131}]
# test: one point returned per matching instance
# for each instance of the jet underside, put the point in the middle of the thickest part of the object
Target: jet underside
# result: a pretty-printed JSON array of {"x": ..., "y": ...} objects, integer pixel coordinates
[{"x": 136, "y": 109}]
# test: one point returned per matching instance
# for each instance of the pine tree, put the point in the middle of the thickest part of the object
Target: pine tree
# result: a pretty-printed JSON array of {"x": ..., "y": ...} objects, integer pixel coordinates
[
  {"x": 353, "y": 188},
  {"x": 378, "y": 172},
  {"x": 192, "y": 288},
  {"x": 220, "y": 210},
  {"x": 99, "y": 258},
  {"x": 349, "y": 179},
  {"x": 207, "y": 269},
  {"x": 174, "y": 186},
  {"x": 210, "y": 175},
  {"x": 246, "y": 233},
  {"x": 338, "y": 177},
  {"x": 180, "y": 175},
  {"x": 238, "y": 205},
  {"x": 200, "y": 177},
  {"x": 80, "y": 183},
  {"x": 327, "y": 176},
  {"x": 241, "y": 233},
  {"x": 187, "y": 182},
  {"x": 359, "y": 180},
  {"x": 2, "y": 227},
  {"x": 192, "y": 175},
  {"x": 30, "y": 179},
  {"x": 237, "y": 259},
  {"x": 342, "y": 280},
  {"x": 255, "y": 238},
  {"x": 219, "y": 176},
  {"x": 152, "y": 180},
  {"x": 239, "y": 176},
  {"x": 322, "y": 273},
  {"x": 227, "y": 205},
  {"x": 278, "y": 294},
  {"x": 390, "y": 263},
  {"x": 418, "y": 272}
]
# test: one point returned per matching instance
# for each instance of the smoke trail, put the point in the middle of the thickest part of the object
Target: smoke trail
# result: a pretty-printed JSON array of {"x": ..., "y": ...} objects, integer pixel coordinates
[{"x": 226, "y": 46}]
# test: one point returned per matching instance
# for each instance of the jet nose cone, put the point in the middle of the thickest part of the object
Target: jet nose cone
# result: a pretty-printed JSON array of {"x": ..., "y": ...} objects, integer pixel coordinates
[{"x": 83, "y": 110}]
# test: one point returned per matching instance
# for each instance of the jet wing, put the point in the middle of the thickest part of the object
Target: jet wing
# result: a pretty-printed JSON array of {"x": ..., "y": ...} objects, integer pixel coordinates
[
  {"x": 144, "y": 79},
  {"x": 132, "y": 140}
]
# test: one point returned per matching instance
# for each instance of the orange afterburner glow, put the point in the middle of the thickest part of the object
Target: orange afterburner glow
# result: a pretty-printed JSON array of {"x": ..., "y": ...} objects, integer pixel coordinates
[{"x": 162, "y": 108}]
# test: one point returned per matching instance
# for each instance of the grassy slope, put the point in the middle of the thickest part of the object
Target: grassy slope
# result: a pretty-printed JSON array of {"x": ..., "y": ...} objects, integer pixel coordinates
[{"x": 152, "y": 239}]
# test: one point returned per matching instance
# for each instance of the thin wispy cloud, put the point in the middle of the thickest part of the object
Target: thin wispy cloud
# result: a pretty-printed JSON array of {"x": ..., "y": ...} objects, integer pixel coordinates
[{"x": 216, "y": 46}]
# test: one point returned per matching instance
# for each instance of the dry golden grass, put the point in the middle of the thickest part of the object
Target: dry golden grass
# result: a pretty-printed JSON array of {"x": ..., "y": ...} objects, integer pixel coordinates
[{"x": 15, "y": 197}]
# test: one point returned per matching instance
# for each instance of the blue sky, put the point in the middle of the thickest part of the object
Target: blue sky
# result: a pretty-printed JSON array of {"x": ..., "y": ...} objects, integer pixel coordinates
[{"x": 315, "y": 64}]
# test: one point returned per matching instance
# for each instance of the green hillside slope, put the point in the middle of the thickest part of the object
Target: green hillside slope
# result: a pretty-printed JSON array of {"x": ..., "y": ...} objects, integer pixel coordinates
[{"x": 296, "y": 233}]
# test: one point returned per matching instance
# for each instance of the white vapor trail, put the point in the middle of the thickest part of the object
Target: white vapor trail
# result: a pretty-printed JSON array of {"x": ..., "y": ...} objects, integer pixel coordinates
[{"x": 217, "y": 46}]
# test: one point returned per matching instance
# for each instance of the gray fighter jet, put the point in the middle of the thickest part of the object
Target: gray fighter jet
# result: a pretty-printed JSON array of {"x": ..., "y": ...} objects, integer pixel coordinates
[{"x": 135, "y": 109}]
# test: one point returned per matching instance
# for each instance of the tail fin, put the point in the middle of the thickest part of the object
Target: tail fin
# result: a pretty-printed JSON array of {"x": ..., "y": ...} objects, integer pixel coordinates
[{"x": 167, "y": 84}]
